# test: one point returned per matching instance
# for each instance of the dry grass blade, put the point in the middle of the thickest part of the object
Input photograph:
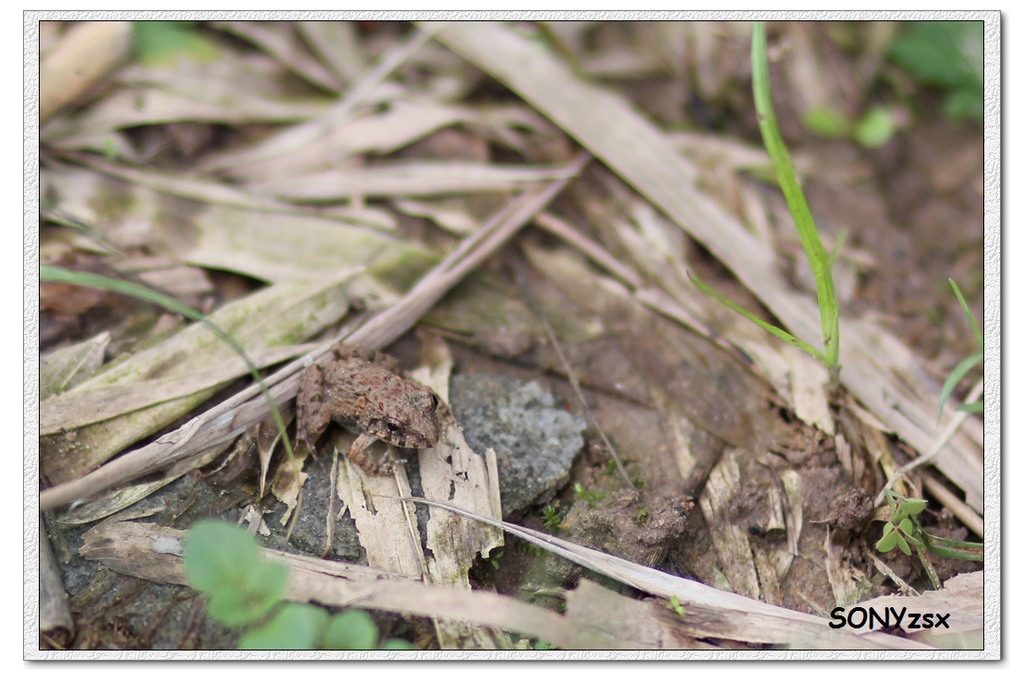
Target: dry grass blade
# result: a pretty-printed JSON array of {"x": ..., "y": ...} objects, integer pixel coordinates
[
  {"x": 299, "y": 136},
  {"x": 66, "y": 367},
  {"x": 100, "y": 401},
  {"x": 336, "y": 43},
  {"x": 248, "y": 408},
  {"x": 211, "y": 193},
  {"x": 152, "y": 552},
  {"x": 231, "y": 90},
  {"x": 226, "y": 230},
  {"x": 85, "y": 55},
  {"x": 379, "y": 132},
  {"x": 281, "y": 41},
  {"x": 940, "y": 441},
  {"x": 615, "y": 133},
  {"x": 960, "y": 597},
  {"x": 403, "y": 179},
  {"x": 54, "y": 611},
  {"x": 117, "y": 408},
  {"x": 759, "y": 622}
]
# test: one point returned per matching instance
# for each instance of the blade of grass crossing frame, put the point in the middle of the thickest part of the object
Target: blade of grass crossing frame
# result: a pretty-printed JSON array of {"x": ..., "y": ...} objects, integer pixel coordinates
[
  {"x": 966, "y": 365},
  {"x": 770, "y": 328},
  {"x": 967, "y": 313},
  {"x": 809, "y": 238},
  {"x": 60, "y": 275}
]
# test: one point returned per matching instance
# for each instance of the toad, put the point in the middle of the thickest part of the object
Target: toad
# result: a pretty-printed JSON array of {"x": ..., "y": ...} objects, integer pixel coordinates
[{"x": 361, "y": 390}]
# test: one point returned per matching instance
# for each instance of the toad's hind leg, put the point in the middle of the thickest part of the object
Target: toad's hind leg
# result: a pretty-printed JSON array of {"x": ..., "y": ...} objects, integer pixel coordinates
[{"x": 357, "y": 455}]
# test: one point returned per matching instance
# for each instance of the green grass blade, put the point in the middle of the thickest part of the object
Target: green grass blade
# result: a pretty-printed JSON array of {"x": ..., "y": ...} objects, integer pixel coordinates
[
  {"x": 976, "y": 407},
  {"x": 967, "y": 313},
  {"x": 840, "y": 242},
  {"x": 954, "y": 378},
  {"x": 773, "y": 330},
  {"x": 963, "y": 367},
  {"x": 60, "y": 275},
  {"x": 961, "y": 550},
  {"x": 809, "y": 238}
]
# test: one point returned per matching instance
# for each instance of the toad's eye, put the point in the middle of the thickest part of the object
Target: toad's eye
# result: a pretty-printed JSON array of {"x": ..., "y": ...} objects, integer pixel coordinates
[{"x": 393, "y": 428}]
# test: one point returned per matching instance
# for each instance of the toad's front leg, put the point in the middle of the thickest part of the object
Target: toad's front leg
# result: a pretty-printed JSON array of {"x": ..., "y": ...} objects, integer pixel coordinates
[{"x": 357, "y": 455}]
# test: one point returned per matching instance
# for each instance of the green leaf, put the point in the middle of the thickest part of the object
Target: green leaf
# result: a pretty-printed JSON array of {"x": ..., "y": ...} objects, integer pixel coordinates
[
  {"x": 60, "y": 275},
  {"x": 901, "y": 542},
  {"x": 837, "y": 249},
  {"x": 351, "y": 630},
  {"x": 223, "y": 561},
  {"x": 217, "y": 554},
  {"x": 296, "y": 626},
  {"x": 964, "y": 105},
  {"x": 264, "y": 587},
  {"x": 889, "y": 538},
  {"x": 943, "y": 53},
  {"x": 914, "y": 506},
  {"x": 875, "y": 128},
  {"x": 236, "y": 607},
  {"x": 948, "y": 55},
  {"x": 826, "y": 123},
  {"x": 251, "y": 599},
  {"x": 162, "y": 43},
  {"x": 905, "y": 508}
]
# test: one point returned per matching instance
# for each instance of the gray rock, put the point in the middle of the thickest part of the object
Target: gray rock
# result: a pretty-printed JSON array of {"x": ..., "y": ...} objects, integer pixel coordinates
[{"x": 535, "y": 443}]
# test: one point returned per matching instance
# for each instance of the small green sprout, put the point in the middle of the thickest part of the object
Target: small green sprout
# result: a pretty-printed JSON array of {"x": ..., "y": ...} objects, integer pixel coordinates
[
  {"x": 591, "y": 498},
  {"x": 903, "y": 530},
  {"x": 874, "y": 129},
  {"x": 552, "y": 518},
  {"x": 223, "y": 561},
  {"x": 494, "y": 557}
]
